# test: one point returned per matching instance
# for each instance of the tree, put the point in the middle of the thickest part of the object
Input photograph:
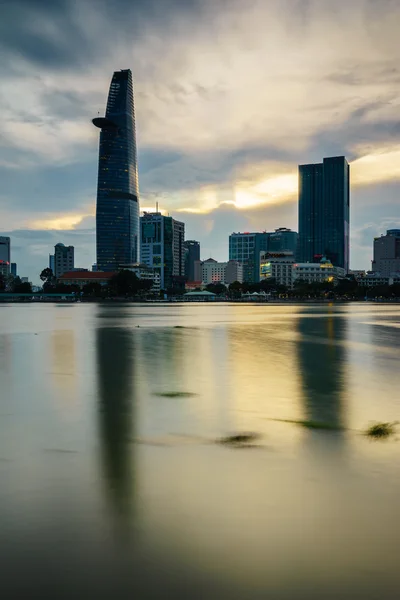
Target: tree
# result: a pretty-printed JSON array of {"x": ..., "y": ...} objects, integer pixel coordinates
[
  {"x": 2, "y": 283},
  {"x": 216, "y": 288},
  {"x": 47, "y": 276},
  {"x": 92, "y": 289},
  {"x": 125, "y": 283},
  {"x": 23, "y": 288},
  {"x": 235, "y": 289}
]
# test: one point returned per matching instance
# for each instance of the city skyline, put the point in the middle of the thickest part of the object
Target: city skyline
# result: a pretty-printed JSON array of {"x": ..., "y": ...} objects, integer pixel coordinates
[{"x": 328, "y": 86}]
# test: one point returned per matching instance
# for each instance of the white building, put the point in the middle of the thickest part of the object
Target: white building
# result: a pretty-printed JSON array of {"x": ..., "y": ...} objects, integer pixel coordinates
[
  {"x": 320, "y": 272},
  {"x": 373, "y": 279},
  {"x": 220, "y": 272},
  {"x": 143, "y": 271},
  {"x": 63, "y": 259},
  {"x": 213, "y": 271},
  {"x": 277, "y": 266}
]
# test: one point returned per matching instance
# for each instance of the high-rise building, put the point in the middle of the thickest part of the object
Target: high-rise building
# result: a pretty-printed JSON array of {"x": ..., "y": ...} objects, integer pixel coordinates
[
  {"x": 283, "y": 240},
  {"x": 192, "y": 253},
  {"x": 162, "y": 248},
  {"x": 324, "y": 211},
  {"x": 386, "y": 259},
  {"x": 13, "y": 269},
  {"x": 246, "y": 248},
  {"x": 51, "y": 263},
  {"x": 5, "y": 251},
  {"x": 63, "y": 259},
  {"x": 117, "y": 211}
]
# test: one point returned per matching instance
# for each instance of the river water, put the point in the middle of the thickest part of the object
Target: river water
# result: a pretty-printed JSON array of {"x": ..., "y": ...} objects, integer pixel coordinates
[{"x": 108, "y": 488}]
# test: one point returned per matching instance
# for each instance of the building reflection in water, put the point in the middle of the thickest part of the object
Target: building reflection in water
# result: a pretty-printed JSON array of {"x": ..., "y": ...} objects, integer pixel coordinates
[
  {"x": 63, "y": 356},
  {"x": 321, "y": 361},
  {"x": 115, "y": 375}
]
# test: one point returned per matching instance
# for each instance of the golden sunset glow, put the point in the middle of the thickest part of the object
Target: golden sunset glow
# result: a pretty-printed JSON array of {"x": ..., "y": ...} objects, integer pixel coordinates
[{"x": 61, "y": 222}]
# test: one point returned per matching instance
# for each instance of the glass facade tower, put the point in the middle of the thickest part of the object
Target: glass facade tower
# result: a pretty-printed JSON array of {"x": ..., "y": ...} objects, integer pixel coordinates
[
  {"x": 324, "y": 211},
  {"x": 117, "y": 210}
]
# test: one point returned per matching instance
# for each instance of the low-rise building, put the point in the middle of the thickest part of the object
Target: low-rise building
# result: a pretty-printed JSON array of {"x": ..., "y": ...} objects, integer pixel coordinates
[
  {"x": 81, "y": 278},
  {"x": 277, "y": 266},
  {"x": 4, "y": 268},
  {"x": 358, "y": 274},
  {"x": 373, "y": 279},
  {"x": 143, "y": 271},
  {"x": 320, "y": 272}
]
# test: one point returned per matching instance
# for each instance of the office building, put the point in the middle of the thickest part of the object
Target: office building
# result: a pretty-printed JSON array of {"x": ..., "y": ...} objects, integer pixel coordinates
[
  {"x": 324, "y": 203},
  {"x": 5, "y": 249},
  {"x": 13, "y": 269},
  {"x": 233, "y": 272},
  {"x": 318, "y": 272},
  {"x": 212, "y": 271},
  {"x": 386, "y": 259},
  {"x": 277, "y": 266},
  {"x": 192, "y": 254},
  {"x": 63, "y": 259},
  {"x": 283, "y": 240},
  {"x": 162, "y": 248},
  {"x": 51, "y": 263},
  {"x": 4, "y": 268},
  {"x": 117, "y": 210},
  {"x": 246, "y": 248}
]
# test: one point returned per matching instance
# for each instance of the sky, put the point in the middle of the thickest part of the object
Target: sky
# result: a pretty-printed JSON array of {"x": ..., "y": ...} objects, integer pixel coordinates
[{"x": 230, "y": 96}]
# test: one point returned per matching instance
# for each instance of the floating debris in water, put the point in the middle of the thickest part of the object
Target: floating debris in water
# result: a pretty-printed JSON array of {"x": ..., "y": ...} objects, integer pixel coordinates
[
  {"x": 240, "y": 440},
  {"x": 381, "y": 430},
  {"x": 175, "y": 394},
  {"x": 312, "y": 424}
]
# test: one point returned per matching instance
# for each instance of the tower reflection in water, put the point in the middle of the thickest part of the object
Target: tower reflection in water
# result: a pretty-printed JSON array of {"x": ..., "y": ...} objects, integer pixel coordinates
[
  {"x": 115, "y": 373},
  {"x": 321, "y": 362}
]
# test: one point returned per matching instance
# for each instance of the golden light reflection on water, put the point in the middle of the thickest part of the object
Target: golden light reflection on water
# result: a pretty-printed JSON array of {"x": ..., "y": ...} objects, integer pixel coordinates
[
  {"x": 64, "y": 364},
  {"x": 146, "y": 476}
]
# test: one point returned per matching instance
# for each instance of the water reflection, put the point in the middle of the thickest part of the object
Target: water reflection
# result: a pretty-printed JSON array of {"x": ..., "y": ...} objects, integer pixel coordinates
[
  {"x": 63, "y": 356},
  {"x": 115, "y": 373},
  {"x": 321, "y": 361}
]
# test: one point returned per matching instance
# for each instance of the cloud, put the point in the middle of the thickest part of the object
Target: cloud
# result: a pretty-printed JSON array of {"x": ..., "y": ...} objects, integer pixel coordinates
[{"x": 230, "y": 97}]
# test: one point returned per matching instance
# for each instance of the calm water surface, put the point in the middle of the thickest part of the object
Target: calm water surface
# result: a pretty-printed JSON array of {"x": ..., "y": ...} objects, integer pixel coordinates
[{"x": 109, "y": 489}]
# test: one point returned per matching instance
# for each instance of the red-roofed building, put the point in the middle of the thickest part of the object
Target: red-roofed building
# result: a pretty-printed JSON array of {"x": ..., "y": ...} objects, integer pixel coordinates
[
  {"x": 4, "y": 268},
  {"x": 81, "y": 278}
]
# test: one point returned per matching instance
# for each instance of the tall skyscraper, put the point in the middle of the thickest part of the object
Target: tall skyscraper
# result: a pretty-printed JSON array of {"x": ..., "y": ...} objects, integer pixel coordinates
[
  {"x": 246, "y": 248},
  {"x": 13, "y": 269},
  {"x": 324, "y": 211},
  {"x": 117, "y": 211},
  {"x": 192, "y": 253},
  {"x": 63, "y": 259},
  {"x": 162, "y": 248},
  {"x": 5, "y": 251}
]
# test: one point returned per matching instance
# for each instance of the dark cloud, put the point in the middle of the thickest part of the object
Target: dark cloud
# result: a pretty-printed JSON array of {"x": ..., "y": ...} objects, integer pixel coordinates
[{"x": 41, "y": 189}]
